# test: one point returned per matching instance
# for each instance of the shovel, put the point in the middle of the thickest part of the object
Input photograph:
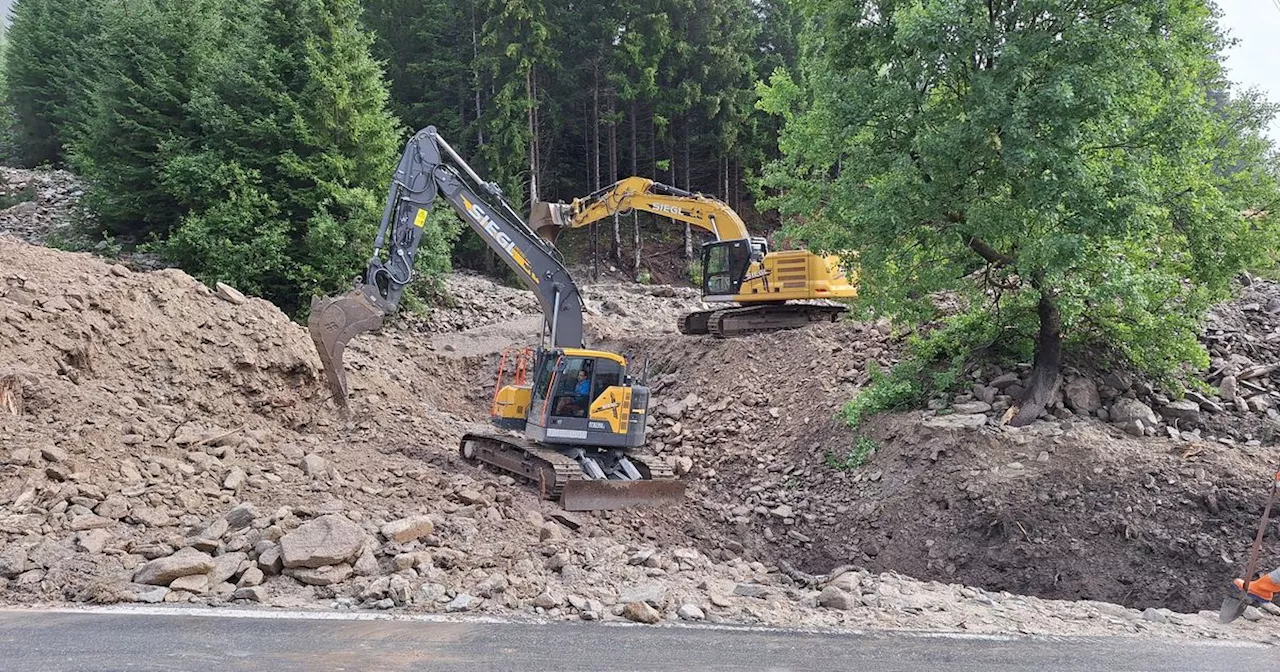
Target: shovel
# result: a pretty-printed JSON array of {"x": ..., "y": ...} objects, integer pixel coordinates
[{"x": 1234, "y": 604}]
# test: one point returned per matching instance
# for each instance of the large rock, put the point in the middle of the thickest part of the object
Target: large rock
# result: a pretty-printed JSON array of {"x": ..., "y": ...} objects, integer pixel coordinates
[
  {"x": 13, "y": 561},
  {"x": 327, "y": 540},
  {"x": 834, "y": 598},
  {"x": 971, "y": 407},
  {"x": 641, "y": 612},
  {"x": 653, "y": 593},
  {"x": 1126, "y": 409},
  {"x": 162, "y": 571},
  {"x": 1184, "y": 409},
  {"x": 1082, "y": 395},
  {"x": 407, "y": 529},
  {"x": 1228, "y": 389}
]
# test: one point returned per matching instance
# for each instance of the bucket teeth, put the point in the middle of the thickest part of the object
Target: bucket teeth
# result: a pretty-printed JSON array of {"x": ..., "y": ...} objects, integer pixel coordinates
[{"x": 334, "y": 321}]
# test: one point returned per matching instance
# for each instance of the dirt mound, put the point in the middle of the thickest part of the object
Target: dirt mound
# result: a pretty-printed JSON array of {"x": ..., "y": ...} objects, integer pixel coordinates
[
  {"x": 1068, "y": 508},
  {"x": 173, "y": 445}
]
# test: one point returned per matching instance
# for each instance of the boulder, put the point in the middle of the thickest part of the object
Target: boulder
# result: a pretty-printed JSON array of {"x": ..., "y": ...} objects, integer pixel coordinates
[
  {"x": 321, "y": 576},
  {"x": 1184, "y": 409},
  {"x": 1228, "y": 389},
  {"x": 641, "y": 612},
  {"x": 1082, "y": 395},
  {"x": 1126, "y": 409},
  {"x": 407, "y": 529},
  {"x": 162, "y": 571},
  {"x": 327, "y": 540},
  {"x": 834, "y": 598}
]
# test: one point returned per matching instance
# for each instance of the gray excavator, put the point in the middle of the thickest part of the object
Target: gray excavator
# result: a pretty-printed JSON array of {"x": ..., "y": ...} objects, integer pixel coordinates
[{"x": 574, "y": 418}]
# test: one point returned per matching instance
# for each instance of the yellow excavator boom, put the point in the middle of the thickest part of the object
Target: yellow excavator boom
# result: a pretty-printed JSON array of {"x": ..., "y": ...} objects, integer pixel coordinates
[{"x": 736, "y": 267}]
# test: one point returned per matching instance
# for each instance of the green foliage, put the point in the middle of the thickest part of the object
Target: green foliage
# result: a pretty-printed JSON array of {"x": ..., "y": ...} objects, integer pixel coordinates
[
  {"x": 1087, "y": 153},
  {"x": 857, "y": 456},
  {"x": 934, "y": 365},
  {"x": 50, "y": 66}
]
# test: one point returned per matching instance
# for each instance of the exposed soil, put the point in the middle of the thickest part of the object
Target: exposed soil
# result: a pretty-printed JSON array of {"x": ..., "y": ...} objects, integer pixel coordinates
[{"x": 141, "y": 411}]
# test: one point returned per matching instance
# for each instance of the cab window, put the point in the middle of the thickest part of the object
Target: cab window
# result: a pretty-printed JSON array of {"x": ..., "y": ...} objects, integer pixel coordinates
[{"x": 573, "y": 387}]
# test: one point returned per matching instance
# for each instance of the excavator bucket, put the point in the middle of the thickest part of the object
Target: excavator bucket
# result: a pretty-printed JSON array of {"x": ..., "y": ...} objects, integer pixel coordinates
[
  {"x": 333, "y": 323},
  {"x": 585, "y": 495},
  {"x": 547, "y": 219}
]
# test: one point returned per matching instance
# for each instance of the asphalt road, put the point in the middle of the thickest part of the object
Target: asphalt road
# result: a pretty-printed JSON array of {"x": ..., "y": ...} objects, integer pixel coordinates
[{"x": 110, "y": 639}]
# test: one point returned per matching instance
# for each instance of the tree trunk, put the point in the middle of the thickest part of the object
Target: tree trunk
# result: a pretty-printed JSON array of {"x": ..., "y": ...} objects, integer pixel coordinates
[
  {"x": 635, "y": 217},
  {"x": 475, "y": 73},
  {"x": 1045, "y": 379},
  {"x": 635, "y": 229},
  {"x": 531, "y": 84},
  {"x": 615, "y": 250}
]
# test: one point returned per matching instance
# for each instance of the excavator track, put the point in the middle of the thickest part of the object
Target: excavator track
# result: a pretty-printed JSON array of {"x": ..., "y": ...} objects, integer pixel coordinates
[
  {"x": 742, "y": 320},
  {"x": 559, "y": 477}
]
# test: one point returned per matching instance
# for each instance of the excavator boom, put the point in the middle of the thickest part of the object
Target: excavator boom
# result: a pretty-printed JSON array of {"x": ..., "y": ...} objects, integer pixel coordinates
[{"x": 774, "y": 290}]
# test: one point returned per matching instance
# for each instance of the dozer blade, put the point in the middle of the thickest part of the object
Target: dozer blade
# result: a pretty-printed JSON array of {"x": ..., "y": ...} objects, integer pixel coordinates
[
  {"x": 333, "y": 323},
  {"x": 546, "y": 219},
  {"x": 584, "y": 495}
]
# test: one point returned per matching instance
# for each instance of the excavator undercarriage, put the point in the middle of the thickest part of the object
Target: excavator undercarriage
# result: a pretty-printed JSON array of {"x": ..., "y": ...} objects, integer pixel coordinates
[{"x": 743, "y": 320}]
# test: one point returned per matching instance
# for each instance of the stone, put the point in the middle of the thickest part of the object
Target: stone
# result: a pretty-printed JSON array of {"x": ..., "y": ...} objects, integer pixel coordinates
[
  {"x": 683, "y": 465},
  {"x": 971, "y": 407},
  {"x": 399, "y": 590},
  {"x": 367, "y": 563},
  {"x": 1228, "y": 389},
  {"x": 432, "y": 593},
  {"x": 550, "y": 532},
  {"x": 93, "y": 541},
  {"x": 115, "y": 507},
  {"x": 89, "y": 521},
  {"x": 1259, "y": 403},
  {"x": 783, "y": 511},
  {"x": 751, "y": 590},
  {"x": 154, "y": 595},
  {"x": 320, "y": 576},
  {"x": 377, "y": 589},
  {"x": 1152, "y": 614},
  {"x": 241, "y": 516},
  {"x": 327, "y": 540},
  {"x": 690, "y": 612},
  {"x": 119, "y": 271},
  {"x": 1184, "y": 409},
  {"x": 653, "y": 593},
  {"x": 1126, "y": 409},
  {"x": 313, "y": 465},
  {"x": 496, "y": 583},
  {"x": 54, "y": 454},
  {"x": 1005, "y": 380},
  {"x": 548, "y": 600},
  {"x": 985, "y": 393},
  {"x": 269, "y": 560},
  {"x": 162, "y": 571},
  {"x": 235, "y": 479},
  {"x": 834, "y": 598},
  {"x": 956, "y": 421},
  {"x": 641, "y": 612},
  {"x": 251, "y": 593},
  {"x": 407, "y": 529},
  {"x": 1082, "y": 395},
  {"x": 1252, "y": 613},
  {"x": 192, "y": 583},
  {"x": 229, "y": 294},
  {"x": 567, "y": 519},
  {"x": 251, "y": 577},
  {"x": 1118, "y": 380},
  {"x": 1133, "y": 428},
  {"x": 463, "y": 602},
  {"x": 225, "y": 566},
  {"x": 13, "y": 561}
]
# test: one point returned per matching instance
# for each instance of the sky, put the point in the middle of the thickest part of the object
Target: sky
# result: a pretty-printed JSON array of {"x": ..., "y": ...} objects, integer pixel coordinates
[{"x": 1255, "y": 61}]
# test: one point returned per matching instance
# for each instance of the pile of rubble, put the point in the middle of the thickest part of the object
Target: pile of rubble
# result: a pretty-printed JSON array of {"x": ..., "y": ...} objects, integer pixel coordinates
[
  {"x": 39, "y": 202},
  {"x": 1243, "y": 339}
]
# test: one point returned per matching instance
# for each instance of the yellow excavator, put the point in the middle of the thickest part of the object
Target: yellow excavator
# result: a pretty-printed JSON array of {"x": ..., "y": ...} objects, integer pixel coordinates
[
  {"x": 575, "y": 417},
  {"x": 736, "y": 267}
]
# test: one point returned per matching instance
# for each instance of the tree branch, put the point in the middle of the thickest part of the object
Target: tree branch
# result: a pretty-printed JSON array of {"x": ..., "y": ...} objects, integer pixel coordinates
[{"x": 991, "y": 254}]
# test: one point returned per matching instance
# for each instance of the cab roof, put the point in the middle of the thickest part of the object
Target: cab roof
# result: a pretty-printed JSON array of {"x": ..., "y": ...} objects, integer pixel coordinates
[{"x": 595, "y": 354}]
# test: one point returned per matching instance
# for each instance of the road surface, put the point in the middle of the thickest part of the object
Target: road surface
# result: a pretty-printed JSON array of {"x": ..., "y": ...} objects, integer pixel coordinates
[{"x": 172, "y": 640}]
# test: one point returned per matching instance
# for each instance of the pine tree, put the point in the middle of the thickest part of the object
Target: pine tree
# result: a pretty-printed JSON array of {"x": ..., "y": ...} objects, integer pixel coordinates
[
  {"x": 50, "y": 69},
  {"x": 154, "y": 54},
  {"x": 296, "y": 152}
]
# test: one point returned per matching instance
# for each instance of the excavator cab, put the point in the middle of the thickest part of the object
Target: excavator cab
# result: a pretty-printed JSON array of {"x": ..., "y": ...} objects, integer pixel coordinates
[{"x": 724, "y": 268}]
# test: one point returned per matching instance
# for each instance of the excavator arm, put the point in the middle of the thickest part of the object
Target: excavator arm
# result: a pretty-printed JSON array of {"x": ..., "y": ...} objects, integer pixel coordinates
[
  {"x": 638, "y": 193},
  {"x": 429, "y": 168}
]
